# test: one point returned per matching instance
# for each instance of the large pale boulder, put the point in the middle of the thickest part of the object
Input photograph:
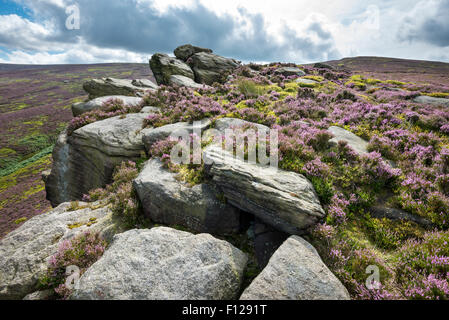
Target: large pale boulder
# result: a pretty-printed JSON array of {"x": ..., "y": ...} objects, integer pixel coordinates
[
  {"x": 24, "y": 253},
  {"x": 167, "y": 200},
  {"x": 86, "y": 159},
  {"x": 209, "y": 67},
  {"x": 285, "y": 200},
  {"x": 164, "y": 66},
  {"x": 296, "y": 272},
  {"x": 358, "y": 144},
  {"x": 153, "y": 135},
  {"x": 82, "y": 107},
  {"x": 164, "y": 264},
  {"x": 432, "y": 100},
  {"x": 186, "y": 51},
  {"x": 111, "y": 87}
]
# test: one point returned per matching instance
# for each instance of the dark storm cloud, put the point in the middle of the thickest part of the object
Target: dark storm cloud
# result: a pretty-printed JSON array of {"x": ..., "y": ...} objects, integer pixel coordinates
[
  {"x": 428, "y": 27},
  {"x": 140, "y": 28}
]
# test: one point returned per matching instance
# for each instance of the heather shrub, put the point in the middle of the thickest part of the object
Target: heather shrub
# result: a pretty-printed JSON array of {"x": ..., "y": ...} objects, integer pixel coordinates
[
  {"x": 423, "y": 266},
  {"x": 109, "y": 109},
  {"x": 121, "y": 196},
  {"x": 81, "y": 251}
]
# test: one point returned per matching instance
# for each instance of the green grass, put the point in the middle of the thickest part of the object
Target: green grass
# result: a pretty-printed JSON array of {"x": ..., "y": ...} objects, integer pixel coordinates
[{"x": 26, "y": 162}]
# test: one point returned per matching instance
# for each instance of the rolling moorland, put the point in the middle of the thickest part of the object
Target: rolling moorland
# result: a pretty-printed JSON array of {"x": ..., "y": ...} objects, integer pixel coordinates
[
  {"x": 371, "y": 135},
  {"x": 35, "y": 104}
]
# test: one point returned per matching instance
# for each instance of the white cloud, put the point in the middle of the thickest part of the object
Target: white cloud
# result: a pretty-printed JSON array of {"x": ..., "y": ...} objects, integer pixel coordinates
[{"x": 299, "y": 31}]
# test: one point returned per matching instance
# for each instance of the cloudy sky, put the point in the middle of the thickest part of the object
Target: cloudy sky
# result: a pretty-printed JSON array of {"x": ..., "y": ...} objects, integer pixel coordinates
[{"x": 41, "y": 31}]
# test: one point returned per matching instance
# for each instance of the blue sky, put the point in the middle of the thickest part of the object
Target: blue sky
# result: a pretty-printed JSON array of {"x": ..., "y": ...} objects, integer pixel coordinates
[
  {"x": 34, "y": 31},
  {"x": 11, "y": 7}
]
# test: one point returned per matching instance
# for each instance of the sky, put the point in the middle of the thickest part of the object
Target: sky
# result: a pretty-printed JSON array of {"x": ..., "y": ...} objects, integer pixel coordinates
[{"x": 300, "y": 31}]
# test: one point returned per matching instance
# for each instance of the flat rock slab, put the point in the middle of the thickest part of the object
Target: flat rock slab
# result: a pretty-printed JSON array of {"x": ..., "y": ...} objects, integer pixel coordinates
[
  {"x": 296, "y": 272},
  {"x": 164, "y": 264},
  {"x": 290, "y": 71},
  {"x": 169, "y": 201},
  {"x": 83, "y": 107},
  {"x": 182, "y": 81},
  {"x": 358, "y": 144},
  {"x": 164, "y": 66},
  {"x": 233, "y": 123},
  {"x": 111, "y": 87},
  {"x": 24, "y": 253},
  {"x": 306, "y": 81},
  {"x": 432, "y": 101},
  {"x": 285, "y": 200},
  {"x": 153, "y": 135}
]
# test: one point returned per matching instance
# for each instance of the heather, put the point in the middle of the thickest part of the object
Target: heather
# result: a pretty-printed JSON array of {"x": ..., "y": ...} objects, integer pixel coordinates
[
  {"x": 81, "y": 252},
  {"x": 406, "y": 166},
  {"x": 120, "y": 195}
]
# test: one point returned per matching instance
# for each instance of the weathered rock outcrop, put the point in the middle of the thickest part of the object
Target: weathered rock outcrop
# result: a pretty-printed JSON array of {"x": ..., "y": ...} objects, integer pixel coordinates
[
  {"x": 111, "y": 87},
  {"x": 86, "y": 159},
  {"x": 290, "y": 71},
  {"x": 164, "y": 264},
  {"x": 169, "y": 201},
  {"x": 209, "y": 67},
  {"x": 24, "y": 253},
  {"x": 296, "y": 272},
  {"x": 152, "y": 135},
  {"x": 432, "y": 100},
  {"x": 285, "y": 200},
  {"x": 358, "y": 144},
  {"x": 182, "y": 81},
  {"x": 82, "y": 107},
  {"x": 186, "y": 51},
  {"x": 164, "y": 66}
]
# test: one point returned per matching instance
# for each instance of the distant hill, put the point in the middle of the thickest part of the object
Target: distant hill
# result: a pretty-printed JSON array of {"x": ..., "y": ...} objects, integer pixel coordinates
[{"x": 406, "y": 70}]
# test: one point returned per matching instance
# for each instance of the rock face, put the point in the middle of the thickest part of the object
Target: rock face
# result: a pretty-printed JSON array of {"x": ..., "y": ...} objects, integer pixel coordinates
[
  {"x": 296, "y": 272},
  {"x": 169, "y": 201},
  {"x": 290, "y": 71},
  {"x": 152, "y": 135},
  {"x": 25, "y": 251},
  {"x": 285, "y": 200},
  {"x": 358, "y": 144},
  {"x": 266, "y": 241},
  {"x": 164, "y": 264},
  {"x": 432, "y": 101},
  {"x": 86, "y": 159},
  {"x": 181, "y": 81},
  {"x": 82, "y": 107},
  {"x": 111, "y": 87},
  {"x": 164, "y": 66},
  {"x": 186, "y": 51},
  {"x": 209, "y": 67}
]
